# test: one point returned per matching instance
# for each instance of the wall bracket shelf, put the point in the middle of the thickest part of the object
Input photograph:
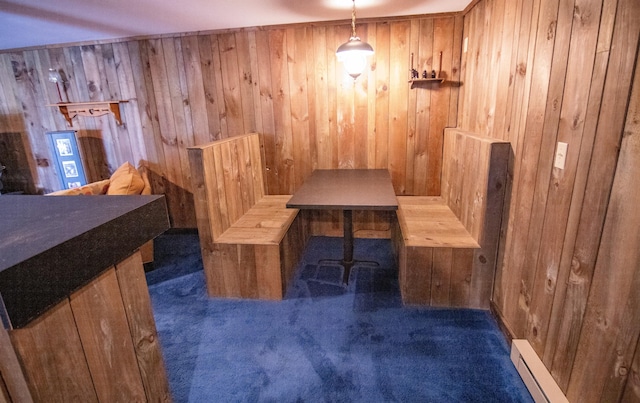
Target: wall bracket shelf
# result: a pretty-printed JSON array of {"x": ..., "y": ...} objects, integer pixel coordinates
[
  {"x": 91, "y": 109},
  {"x": 418, "y": 81},
  {"x": 415, "y": 79}
]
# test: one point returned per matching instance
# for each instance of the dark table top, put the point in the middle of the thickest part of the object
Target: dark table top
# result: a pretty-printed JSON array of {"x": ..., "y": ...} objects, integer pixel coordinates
[
  {"x": 346, "y": 189},
  {"x": 51, "y": 246}
]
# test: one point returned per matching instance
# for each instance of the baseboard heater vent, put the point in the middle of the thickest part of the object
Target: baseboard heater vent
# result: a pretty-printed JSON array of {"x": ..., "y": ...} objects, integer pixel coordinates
[{"x": 536, "y": 377}]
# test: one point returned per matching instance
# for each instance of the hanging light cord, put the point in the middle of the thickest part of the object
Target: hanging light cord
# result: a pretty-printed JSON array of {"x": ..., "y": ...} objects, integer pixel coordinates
[{"x": 353, "y": 21}]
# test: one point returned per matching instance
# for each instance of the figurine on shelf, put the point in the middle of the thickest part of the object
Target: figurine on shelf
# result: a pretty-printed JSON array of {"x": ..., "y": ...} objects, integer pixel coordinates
[
  {"x": 414, "y": 74},
  {"x": 424, "y": 74},
  {"x": 433, "y": 74}
]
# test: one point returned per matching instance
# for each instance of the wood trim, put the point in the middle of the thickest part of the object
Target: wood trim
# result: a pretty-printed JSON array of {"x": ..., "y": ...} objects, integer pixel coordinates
[
  {"x": 470, "y": 7},
  {"x": 508, "y": 334}
]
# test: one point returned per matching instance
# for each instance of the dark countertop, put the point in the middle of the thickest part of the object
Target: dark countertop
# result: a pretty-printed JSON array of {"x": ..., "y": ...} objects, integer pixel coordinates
[
  {"x": 346, "y": 189},
  {"x": 50, "y": 246}
]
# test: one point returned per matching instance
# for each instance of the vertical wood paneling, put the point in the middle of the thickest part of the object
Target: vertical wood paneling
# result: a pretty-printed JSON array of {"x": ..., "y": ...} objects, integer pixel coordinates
[
  {"x": 132, "y": 115},
  {"x": 398, "y": 109},
  {"x": 49, "y": 344},
  {"x": 440, "y": 96},
  {"x": 587, "y": 216},
  {"x": 345, "y": 110},
  {"x": 318, "y": 78},
  {"x": 231, "y": 83},
  {"x": 23, "y": 100},
  {"x": 360, "y": 131},
  {"x": 424, "y": 62},
  {"x": 441, "y": 276},
  {"x": 561, "y": 282},
  {"x": 36, "y": 109},
  {"x": 545, "y": 188},
  {"x": 412, "y": 111},
  {"x": 100, "y": 314},
  {"x": 148, "y": 114},
  {"x": 613, "y": 305},
  {"x": 282, "y": 153},
  {"x": 209, "y": 87},
  {"x": 111, "y": 90},
  {"x": 283, "y": 82},
  {"x": 518, "y": 101},
  {"x": 300, "y": 130},
  {"x": 195, "y": 98},
  {"x": 524, "y": 183},
  {"x": 245, "y": 76},
  {"x": 137, "y": 305},
  {"x": 178, "y": 132},
  {"x": 561, "y": 184},
  {"x": 166, "y": 120},
  {"x": 13, "y": 385},
  {"x": 382, "y": 95},
  {"x": 535, "y": 72}
]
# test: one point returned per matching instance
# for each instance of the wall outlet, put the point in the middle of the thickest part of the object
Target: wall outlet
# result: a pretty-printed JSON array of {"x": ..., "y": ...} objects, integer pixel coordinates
[{"x": 561, "y": 155}]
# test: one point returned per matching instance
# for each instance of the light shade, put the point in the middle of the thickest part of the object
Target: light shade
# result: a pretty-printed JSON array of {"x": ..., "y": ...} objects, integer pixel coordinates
[{"x": 353, "y": 55}]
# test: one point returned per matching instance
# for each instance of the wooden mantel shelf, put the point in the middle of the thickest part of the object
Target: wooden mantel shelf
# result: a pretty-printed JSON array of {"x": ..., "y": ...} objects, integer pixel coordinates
[{"x": 98, "y": 108}]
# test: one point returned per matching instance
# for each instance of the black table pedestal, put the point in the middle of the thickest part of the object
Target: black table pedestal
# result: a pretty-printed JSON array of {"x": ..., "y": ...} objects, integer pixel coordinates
[{"x": 348, "y": 243}]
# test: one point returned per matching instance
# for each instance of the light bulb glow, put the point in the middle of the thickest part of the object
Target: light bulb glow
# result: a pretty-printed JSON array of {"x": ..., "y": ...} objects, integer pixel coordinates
[{"x": 353, "y": 55}]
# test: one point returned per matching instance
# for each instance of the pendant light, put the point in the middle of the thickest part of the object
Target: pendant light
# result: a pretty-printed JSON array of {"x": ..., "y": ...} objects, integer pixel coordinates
[{"x": 353, "y": 54}]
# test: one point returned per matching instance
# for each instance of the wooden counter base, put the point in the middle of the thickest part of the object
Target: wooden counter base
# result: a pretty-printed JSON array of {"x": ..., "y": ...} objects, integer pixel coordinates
[{"x": 100, "y": 344}]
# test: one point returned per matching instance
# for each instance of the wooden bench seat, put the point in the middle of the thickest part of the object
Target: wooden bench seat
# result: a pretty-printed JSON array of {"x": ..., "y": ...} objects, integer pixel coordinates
[
  {"x": 266, "y": 223},
  {"x": 428, "y": 222},
  {"x": 250, "y": 241},
  {"x": 447, "y": 245}
]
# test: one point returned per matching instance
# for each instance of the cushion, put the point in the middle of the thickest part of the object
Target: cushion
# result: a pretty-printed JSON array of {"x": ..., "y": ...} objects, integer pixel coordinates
[
  {"x": 126, "y": 180},
  {"x": 94, "y": 188}
]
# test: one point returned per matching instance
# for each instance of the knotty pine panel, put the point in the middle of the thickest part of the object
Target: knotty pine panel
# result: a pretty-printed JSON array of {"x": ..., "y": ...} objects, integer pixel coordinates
[
  {"x": 536, "y": 72},
  {"x": 283, "y": 82}
]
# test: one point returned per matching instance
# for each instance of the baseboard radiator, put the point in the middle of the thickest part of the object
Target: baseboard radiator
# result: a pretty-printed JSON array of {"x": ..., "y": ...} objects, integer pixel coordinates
[{"x": 536, "y": 377}]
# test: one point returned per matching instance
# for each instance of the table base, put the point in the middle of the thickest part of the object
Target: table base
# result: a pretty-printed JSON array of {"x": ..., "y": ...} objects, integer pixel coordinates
[
  {"x": 347, "y": 260},
  {"x": 348, "y": 266}
]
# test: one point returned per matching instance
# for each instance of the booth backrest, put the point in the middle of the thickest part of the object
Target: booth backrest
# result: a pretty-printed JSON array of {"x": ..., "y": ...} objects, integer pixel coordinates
[
  {"x": 473, "y": 174},
  {"x": 228, "y": 178}
]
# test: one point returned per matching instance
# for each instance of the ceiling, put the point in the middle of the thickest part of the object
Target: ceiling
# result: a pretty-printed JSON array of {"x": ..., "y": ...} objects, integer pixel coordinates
[{"x": 26, "y": 23}]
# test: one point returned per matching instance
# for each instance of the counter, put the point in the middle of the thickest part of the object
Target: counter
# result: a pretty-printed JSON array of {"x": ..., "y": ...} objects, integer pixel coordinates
[{"x": 73, "y": 298}]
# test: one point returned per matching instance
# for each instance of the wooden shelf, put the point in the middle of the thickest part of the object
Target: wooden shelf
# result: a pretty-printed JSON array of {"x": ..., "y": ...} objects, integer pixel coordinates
[
  {"x": 91, "y": 109},
  {"x": 417, "y": 81}
]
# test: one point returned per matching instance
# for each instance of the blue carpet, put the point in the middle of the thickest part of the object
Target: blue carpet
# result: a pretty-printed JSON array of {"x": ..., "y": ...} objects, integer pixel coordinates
[{"x": 327, "y": 342}]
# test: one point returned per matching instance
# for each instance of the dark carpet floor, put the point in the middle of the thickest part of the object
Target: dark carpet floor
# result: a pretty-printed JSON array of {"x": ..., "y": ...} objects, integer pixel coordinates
[{"x": 324, "y": 342}]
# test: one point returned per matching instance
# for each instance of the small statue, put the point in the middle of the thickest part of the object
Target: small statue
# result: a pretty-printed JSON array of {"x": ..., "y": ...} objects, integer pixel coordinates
[
  {"x": 433, "y": 74},
  {"x": 414, "y": 73},
  {"x": 424, "y": 74}
]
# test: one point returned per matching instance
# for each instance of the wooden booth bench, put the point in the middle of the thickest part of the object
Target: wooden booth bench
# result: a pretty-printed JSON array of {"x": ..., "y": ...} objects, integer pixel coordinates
[
  {"x": 447, "y": 245},
  {"x": 250, "y": 241}
]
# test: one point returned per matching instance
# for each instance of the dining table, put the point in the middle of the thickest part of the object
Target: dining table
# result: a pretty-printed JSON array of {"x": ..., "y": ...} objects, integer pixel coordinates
[{"x": 346, "y": 190}]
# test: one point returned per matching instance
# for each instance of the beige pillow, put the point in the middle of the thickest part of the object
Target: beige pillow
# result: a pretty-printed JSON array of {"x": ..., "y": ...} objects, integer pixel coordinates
[{"x": 126, "y": 180}]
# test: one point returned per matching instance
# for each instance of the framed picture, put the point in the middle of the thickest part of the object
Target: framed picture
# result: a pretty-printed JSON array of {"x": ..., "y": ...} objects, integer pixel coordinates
[
  {"x": 69, "y": 166},
  {"x": 70, "y": 169},
  {"x": 64, "y": 147}
]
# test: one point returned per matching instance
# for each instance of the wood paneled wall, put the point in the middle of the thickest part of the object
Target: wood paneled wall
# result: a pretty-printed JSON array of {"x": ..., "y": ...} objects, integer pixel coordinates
[
  {"x": 283, "y": 82},
  {"x": 534, "y": 72},
  {"x": 537, "y": 72}
]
